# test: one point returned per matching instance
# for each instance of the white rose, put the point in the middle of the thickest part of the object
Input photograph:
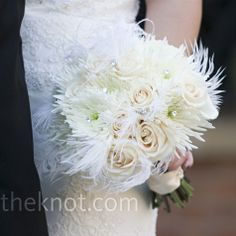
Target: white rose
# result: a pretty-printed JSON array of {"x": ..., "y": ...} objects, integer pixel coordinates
[
  {"x": 120, "y": 126},
  {"x": 132, "y": 64},
  {"x": 196, "y": 95},
  {"x": 122, "y": 160},
  {"x": 142, "y": 96},
  {"x": 154, "y": 140}
]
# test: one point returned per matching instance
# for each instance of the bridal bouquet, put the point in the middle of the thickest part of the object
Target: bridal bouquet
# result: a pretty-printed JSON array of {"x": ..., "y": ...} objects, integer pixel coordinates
[{"x": 121, "y": 118}]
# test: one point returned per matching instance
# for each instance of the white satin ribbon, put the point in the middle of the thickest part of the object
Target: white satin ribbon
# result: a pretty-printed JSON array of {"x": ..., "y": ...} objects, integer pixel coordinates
[{"x": 166, "y": 183}]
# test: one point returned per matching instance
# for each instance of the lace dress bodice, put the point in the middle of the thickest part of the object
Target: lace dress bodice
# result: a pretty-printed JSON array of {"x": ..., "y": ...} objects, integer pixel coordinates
[
  {"x": 54, "y": 33},
  {"x": 99, "y": 9}
]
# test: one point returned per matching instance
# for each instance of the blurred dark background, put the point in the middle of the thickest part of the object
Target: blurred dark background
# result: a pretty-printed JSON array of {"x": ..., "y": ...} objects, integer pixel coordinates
[{"x": 212, "y": 211}]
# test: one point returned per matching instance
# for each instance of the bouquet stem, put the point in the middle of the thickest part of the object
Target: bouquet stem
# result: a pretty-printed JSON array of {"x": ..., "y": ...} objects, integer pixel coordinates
[{"x": 179, "y": 197}]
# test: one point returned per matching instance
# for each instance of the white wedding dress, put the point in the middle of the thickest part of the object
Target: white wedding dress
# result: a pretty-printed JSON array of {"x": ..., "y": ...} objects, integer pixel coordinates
[{"x": 52, "y": 32}]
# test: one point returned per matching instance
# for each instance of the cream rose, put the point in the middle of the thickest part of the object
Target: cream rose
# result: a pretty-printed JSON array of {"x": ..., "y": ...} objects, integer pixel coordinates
[
  {"x": 120, "y": 126},
  {"x": 153, "y": 139},
  {"x": 142, "y": 96},
  {"x": 122, "y": 160},
  {"x": 196, "y": 95}
]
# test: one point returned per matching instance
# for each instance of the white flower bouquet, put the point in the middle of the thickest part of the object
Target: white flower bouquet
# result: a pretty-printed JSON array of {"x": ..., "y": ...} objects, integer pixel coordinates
[{"x": 120, "y": 118}]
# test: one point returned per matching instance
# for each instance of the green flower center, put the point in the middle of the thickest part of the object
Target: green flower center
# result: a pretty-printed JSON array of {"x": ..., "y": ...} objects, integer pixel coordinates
[
  {"x": 94, "y": 116},
  {"x": 172, "y": 114}
]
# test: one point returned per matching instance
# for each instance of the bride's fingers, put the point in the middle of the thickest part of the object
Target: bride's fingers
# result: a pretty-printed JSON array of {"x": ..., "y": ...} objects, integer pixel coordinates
[
  {"x": 189, "y": 161},
  {"x": 177, "y": 162}
]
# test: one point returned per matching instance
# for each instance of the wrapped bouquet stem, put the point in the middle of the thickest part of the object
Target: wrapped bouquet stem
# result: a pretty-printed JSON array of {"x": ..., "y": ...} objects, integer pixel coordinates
[{"x": 178, "y": 197}]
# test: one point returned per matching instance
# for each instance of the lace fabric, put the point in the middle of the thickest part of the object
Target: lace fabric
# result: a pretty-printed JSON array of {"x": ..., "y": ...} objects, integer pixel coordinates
[{"x": 99, "y": 9}]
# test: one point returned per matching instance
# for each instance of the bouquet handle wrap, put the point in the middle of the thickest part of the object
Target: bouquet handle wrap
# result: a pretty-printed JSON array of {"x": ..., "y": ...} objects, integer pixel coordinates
[{"x": 167, "y": 182}]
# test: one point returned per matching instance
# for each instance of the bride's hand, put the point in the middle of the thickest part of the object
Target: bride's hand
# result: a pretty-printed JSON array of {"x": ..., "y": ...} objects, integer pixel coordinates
[
  {"x": 184, "y": 161},
  {"x": 171, "y": 180}
]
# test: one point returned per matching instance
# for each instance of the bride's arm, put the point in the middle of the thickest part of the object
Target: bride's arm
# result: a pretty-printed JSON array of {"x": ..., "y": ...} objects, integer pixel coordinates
[{"x": 178, "y": 20}]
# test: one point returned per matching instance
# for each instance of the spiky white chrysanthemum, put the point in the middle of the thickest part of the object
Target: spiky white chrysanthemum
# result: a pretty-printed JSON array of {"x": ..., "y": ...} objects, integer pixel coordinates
[{"x": 88, "y": 112}]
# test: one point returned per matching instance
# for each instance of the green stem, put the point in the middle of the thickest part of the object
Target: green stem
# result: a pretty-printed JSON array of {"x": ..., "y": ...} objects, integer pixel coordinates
[{"x": 179, "y": 197}]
